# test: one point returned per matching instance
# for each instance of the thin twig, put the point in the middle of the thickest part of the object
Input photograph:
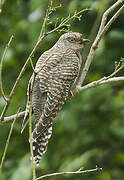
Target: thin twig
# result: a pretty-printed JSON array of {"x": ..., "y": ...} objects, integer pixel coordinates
[
  {"x": 68, "y": 173},
  {"x": 1, "y": 66},
  {"x": 32, "y": 65},
  {"x": 98, "y": 83},
  {"x": 105, "y": 29},
  {"x": 111, "y": 80},
  {"x": 69, "y": 18},
  {"x": 105, "y": 15},
  {"x": 12, "y": 117},
  {"x": 118, "y": 66},
  {"x": 43, "y": 30},
  {"x": 117, "y": 69},
  {"x": 7, "y": 142},
  {"x": 101, "y": 33}
]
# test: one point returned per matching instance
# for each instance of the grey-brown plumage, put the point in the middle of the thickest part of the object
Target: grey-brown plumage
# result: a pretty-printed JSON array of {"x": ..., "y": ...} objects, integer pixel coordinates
[{"x": 56, "y": 71}]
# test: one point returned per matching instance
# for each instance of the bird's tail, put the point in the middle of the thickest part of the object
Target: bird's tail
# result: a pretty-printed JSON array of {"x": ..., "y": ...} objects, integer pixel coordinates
[{"x": 41, "y": 142}]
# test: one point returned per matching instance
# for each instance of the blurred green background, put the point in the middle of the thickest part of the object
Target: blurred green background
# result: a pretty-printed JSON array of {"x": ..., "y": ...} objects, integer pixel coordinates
[{"x": 89, "y": 130}]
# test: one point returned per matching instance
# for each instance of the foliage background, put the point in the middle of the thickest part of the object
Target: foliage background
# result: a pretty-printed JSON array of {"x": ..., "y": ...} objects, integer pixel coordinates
[{"x": 89, "y": 130}]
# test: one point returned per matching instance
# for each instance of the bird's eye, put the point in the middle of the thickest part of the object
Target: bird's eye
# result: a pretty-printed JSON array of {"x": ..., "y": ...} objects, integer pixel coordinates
[{"x": 71, "y": 39}]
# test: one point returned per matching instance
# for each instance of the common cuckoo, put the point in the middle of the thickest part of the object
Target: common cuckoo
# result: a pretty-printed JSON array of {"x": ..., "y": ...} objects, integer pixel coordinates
[{"x": 56, "y": 71}]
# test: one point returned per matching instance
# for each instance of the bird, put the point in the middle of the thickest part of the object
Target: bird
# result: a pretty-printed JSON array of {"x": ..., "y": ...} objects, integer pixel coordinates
[{"x": 50, "y": 85}]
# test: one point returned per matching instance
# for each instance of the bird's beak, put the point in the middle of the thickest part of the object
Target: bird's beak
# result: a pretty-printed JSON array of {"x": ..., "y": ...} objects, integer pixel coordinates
[{"x": 86, "y": 40}]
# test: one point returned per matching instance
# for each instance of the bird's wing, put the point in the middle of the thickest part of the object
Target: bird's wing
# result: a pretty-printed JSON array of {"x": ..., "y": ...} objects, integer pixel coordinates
[
  {"x": 38, "y": 100},
  {"x": 55, "y": 78},
  {"x": 38, "y": 96}
]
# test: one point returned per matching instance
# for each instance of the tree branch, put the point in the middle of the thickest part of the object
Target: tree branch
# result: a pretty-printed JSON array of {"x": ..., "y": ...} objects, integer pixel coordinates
[
  {"x": 12, "y": 117},
  {"x": 7, "y": 142},
  {"x": 106, "y": 13},
  {"x": 98, "y": 83},
  {"x": 68, "y": 173},
  {"x": 1, "y": 66},
  {"x": 102, "y": 30},
  {"x": 108, "y": 79}
]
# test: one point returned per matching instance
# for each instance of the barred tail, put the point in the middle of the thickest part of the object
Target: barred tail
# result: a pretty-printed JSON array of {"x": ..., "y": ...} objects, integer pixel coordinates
[{"x": 40, "y": 144}]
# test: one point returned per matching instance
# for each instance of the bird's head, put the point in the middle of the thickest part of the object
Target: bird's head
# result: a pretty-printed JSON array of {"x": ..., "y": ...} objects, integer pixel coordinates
[{"x": 73, "y": 40}]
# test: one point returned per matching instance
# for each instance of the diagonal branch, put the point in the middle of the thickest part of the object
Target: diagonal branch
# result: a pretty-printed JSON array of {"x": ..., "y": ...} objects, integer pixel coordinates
[
  {"x": 12, "y": 117},
  {"x": 108, "y": 79},
  {"x": 1, "y": 66},
  {"x": 7, "y": 142},
  {"x": 98, "y": 83},
  {"x": 102, "y": 30},
  {"x": 114, "y": 17},
  {"x": 106, "y": 13}
]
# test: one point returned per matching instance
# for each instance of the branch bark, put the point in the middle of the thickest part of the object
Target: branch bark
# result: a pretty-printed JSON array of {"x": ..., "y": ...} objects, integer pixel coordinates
[
  {"x": 98, "y": 83},
  {"x": 1, "y": 66},
  {"x": 12, "y": 117},
  {"x": 68, "y": 173},
  {"x": 102, "y": 30},
  {"x": 7, "y": 142}
]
